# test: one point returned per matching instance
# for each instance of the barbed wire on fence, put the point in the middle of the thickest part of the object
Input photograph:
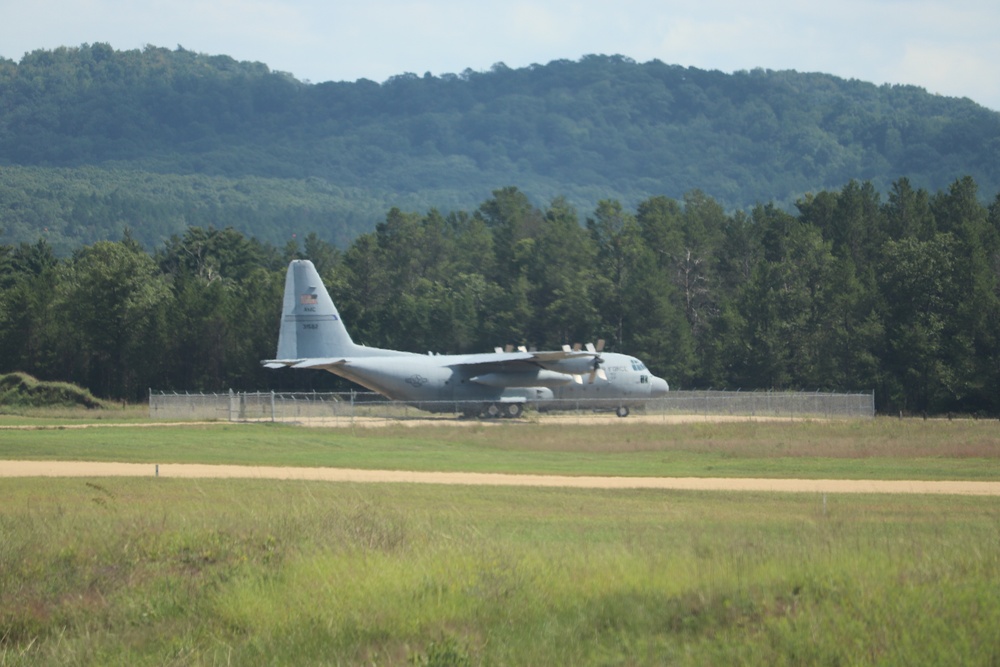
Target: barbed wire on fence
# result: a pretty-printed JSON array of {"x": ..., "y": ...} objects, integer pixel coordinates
[{"x": 299, "y": 406}]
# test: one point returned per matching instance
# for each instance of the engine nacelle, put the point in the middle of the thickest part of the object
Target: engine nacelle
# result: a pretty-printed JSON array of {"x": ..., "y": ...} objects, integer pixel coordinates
[
  {"x": 580, "y": 365},
  {"x": 539, "y": 378}
]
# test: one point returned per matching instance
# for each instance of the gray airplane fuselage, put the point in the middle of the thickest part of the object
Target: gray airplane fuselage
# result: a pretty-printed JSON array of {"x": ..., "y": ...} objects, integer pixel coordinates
[
  {"x": 312, "y": 335},
  {"x": 424, "y": 377}
]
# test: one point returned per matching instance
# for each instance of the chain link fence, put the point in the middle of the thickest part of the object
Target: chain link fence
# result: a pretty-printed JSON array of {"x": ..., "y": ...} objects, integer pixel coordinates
[{"x": 353, "y": 406}]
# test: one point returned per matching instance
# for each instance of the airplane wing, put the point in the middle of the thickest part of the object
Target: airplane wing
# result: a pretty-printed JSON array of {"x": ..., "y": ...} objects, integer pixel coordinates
[
  {"x": 570, "y": 364},
  {"x": 523, "y": 368},
  {"x": 558, "y": 355},
  {"x": 489, "y": 358},
  {"x": 520, "y": 359}
]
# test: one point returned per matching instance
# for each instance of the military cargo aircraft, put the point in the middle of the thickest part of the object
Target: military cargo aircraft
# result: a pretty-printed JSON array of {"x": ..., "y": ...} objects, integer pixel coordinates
[{"x": 496, "y": 384}]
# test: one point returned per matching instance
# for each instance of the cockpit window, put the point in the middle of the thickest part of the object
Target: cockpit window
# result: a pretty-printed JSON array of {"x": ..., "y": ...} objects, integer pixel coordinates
[{"x": 637, "y": 365}]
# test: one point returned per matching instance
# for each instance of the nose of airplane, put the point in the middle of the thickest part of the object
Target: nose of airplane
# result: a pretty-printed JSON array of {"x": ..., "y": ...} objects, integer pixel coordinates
[{"x": 658, "y": 387}]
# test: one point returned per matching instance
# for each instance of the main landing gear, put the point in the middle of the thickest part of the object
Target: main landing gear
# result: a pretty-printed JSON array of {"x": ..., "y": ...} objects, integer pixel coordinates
[
  {"x": 497, "y": 410},
  {"x": 621, "y": 411}
]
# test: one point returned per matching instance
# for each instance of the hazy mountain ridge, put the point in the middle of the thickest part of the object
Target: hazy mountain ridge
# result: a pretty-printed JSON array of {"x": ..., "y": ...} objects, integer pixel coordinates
[{"x": 602, "y": 127}]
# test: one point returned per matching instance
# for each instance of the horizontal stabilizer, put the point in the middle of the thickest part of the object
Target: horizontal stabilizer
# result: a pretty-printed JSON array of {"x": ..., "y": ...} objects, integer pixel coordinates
[{"x": 321, "y": 363}]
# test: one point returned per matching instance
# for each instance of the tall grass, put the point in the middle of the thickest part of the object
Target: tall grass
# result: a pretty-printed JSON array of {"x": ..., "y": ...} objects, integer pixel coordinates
[{"x": 254, "y": 572}]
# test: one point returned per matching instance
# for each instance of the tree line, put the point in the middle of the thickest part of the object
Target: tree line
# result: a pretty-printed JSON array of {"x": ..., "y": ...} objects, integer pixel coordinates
[{"x": 900, "y": 296}]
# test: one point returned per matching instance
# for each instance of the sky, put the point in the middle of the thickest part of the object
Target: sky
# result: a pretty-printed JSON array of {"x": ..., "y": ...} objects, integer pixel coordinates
[{"x": 949, "y": 47}]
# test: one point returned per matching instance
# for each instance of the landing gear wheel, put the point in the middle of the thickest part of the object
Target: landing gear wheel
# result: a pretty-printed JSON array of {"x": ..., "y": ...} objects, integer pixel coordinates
[
  {"x": 513, "y": 410},
  {"x": 622, "y": 411},
  {"x": 492, "y": 411}
]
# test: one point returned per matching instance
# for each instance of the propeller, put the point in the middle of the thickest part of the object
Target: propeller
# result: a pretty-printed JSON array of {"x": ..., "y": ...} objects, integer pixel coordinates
[{"x": 596, "y": 371}]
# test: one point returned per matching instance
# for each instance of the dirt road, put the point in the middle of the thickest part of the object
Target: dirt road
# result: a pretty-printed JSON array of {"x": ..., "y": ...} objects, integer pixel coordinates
[
  {"x": 175, "y": 470},
  {"x": 585, "y": 418}
]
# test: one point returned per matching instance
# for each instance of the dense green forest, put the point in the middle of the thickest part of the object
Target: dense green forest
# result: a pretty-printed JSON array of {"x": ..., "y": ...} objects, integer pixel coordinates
[
  {"x": 94, "y": 141},
  {"x": 853, "y": 292},
  {"x": 752, "y": 230}
]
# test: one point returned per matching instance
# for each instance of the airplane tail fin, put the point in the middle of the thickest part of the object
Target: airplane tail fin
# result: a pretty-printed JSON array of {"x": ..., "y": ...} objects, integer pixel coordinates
[{"x": 310, "y": 324}]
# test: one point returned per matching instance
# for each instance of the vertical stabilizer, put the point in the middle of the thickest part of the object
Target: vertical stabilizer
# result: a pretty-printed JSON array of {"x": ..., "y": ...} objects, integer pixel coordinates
[{"x": 310, "y": 324}]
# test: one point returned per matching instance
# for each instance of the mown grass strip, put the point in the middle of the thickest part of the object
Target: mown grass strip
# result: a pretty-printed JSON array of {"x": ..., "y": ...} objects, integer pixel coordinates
[{"x": 876, "y": 449}]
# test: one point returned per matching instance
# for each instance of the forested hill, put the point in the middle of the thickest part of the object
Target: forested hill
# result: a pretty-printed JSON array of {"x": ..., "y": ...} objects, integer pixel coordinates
[{"x": 94, "y": 140}]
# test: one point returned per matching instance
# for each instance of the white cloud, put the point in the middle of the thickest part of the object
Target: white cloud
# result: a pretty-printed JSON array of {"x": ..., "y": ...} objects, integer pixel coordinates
[{"x": 949, "y": 71}]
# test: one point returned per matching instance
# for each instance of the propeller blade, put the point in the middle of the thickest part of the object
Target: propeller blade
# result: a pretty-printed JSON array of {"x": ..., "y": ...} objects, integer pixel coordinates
[
  {"x": 508, "y": 348},
  {"x": 576, "y": 347},
  {"x": 565, "y": 347},
  {"x": 498, "y": 349},
  {"x": 600, "y": 345},
  {"x": 591, "y": 348},
  {"x": 578, "y": 379},
  {"x": 521, "y": 348},
  {"x": 598, "y": 372}
]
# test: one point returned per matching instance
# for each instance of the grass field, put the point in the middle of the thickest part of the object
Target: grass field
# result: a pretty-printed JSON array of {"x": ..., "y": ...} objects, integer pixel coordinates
[
  {"x": 870, "y": 449},
  {"x": 212, "y": 572}
]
